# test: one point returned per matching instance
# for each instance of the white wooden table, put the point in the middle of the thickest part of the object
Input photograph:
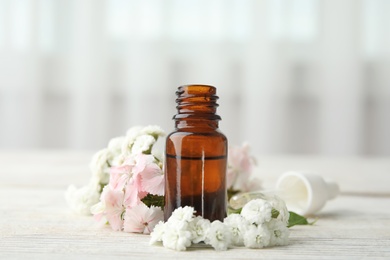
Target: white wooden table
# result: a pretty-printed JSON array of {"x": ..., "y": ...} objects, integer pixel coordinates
[{"x": 35, "y": 222}]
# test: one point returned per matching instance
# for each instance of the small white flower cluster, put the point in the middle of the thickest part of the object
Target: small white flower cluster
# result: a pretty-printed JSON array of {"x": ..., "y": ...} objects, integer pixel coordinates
[
  {"x": 263, "y": 223},
  {"x": 260, "y": 224},
  {"x": 137, "y": 140}
]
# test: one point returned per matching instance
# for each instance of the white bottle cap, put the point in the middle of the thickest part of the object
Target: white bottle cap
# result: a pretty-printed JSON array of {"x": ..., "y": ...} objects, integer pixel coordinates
[{"x": 305, "y": 193}]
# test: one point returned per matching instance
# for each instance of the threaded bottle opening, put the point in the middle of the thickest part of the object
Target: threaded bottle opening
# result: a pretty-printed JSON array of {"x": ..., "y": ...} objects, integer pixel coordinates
[{"x": 197, "y": 102}]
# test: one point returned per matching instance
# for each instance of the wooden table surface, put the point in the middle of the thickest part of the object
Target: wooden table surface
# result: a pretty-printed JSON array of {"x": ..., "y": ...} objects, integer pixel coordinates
[{"x": 35, "y": 222}]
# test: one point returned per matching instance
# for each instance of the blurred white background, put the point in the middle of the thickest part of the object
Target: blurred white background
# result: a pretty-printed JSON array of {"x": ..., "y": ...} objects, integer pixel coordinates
[{"x": 293, "y": 76}]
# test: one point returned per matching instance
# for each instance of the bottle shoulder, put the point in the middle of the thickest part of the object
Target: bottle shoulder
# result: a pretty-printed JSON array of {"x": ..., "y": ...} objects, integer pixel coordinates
[
  {"x": 195, "y": 144},
  {"x": 202, "y": 132}
]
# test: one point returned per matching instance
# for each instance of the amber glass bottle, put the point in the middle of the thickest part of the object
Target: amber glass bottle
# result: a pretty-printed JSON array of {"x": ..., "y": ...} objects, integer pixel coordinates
[{"x": 196, "y": 155}]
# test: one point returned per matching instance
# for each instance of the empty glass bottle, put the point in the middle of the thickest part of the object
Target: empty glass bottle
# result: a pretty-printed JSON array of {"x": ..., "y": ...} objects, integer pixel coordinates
[{"x": 196, "y": 155}]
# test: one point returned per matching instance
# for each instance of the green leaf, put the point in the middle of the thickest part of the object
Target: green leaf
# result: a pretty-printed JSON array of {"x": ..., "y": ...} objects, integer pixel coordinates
[
  {"x": 296, "y": 219},
  {"x": 153, "y": 200}
]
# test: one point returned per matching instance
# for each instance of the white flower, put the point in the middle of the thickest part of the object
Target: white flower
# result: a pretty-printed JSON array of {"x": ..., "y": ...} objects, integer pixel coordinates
[
  {"x": 199, "y": 227},
  {"x": 257, "y": 236},
  {"x": 158, "y": 155},
  {"x": 238, "y": 226},
  {"x": 98, "y": 210},
  {"x": 134, "y": 143},
  {"x": 99, "y": 167},
  {"x": 181, "y": 214},
  {"x": 142, "y": 144},
  {"x": 176, "y": 238},
  {"x": 157, "y": 233},
  {"x": 218, "y": 236},
  {"x": 81, "y": 200},
  {"x": 115, "y": 144},
  {"x": 278, "y": 204},
  {"x": 257, "y": 211},
  {"x": 279, "y": 233},
  {"x": 115, "y": 157},
  {"x": 134, "y": 131},
  {"x": 175, "y": 233},
  {"x": 128, "y": 142},
  {"x": 154, "y": 130}
]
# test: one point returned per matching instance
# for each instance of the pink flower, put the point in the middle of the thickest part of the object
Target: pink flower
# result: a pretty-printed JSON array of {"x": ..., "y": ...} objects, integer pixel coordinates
[
  {"x": 240, "y": 159},
  {"x": 149, "y": 174},
  {"x": 141, "y": 219},
  {"x": 129, "y": 184},
  {"x": 114, "y": 208},
  {"x": 240, "y": 165},
  {"x": 153, "y": 180},
  {"x": 133, "y": 192},
  {"x": 119, "y": 176},
  {"x": 141, "y": 161}
]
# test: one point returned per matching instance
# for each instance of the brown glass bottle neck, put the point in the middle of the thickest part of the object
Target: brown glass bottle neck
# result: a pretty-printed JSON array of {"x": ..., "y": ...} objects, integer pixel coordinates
[
  {"x": 196, "y": 124},
  {"x": 196, "y": 107}
]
